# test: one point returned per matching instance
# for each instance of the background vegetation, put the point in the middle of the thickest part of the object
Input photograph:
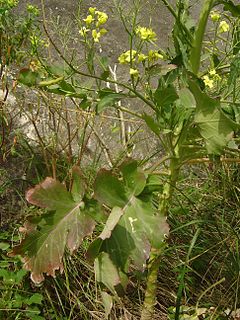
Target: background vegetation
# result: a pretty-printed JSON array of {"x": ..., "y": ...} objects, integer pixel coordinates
[{"x": 130, "y": 168}]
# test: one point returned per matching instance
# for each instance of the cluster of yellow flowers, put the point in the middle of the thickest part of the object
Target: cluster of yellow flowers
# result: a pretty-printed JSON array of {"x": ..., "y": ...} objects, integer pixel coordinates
[
  {"x": 211, "y": 78},
  {"x": 133, "y": 56},
  {"x": 223, "y": 25},
  {"x": 93, "y": 23},
  {"x": 146, "y": 34}
]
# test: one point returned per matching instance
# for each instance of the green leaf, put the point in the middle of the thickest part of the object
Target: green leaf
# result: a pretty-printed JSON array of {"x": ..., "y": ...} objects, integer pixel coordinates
[
  {"x": 36, "y": 298},
  {"x": 78, "y": 185},
  {"x": 107, "y": 302},
  {"x": 58, "y": 70},
  {"x": 20, "y": 275},
  {"x": 4, "y": 246},
  {"x": 84, "y": 104},
  {"x": 165, "y": 97},
  {"x": 144, "y": 224},
  {"x": 234, "y": 70},
  {"x": 28, "y": 77},
  {"x": 214, "y": 126},
  {"x": 152, "y": 125},
  {"x": 154, "y": 183},
  {"x": 139, "y": 228},
  {"x": 109, "y": 190},
  {"x": 108, "y": 98},
  {"x": 186, "y": 98},
  {"x": 133, "y": 227},
  {"x": 64, "y": 227},
  {"x": 63, "y": 88},
  {"x": 106, "y": 272},
  {"x": 161, "y": 70},
  {"x": 230, "y": 6},
  {"x": 134, "y": 178}
]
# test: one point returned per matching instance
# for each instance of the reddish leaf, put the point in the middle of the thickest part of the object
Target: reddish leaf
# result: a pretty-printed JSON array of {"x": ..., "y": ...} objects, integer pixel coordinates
[{"x": 44, "y": 244}]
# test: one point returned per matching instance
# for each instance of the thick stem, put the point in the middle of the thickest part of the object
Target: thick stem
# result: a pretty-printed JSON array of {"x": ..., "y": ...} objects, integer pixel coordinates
[
  {"x": 195, "y": 56},
  {"x": 151, "y": 290},
  {"x": 156, "y": 254}
]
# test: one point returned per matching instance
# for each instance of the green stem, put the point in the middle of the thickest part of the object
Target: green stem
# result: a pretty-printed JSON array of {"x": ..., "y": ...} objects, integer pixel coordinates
[
  {"x": 156, "y": 254},
  {"x": 182, "y": 28},
  {"x": 195, "y": 56},
  {"x": 151, "y": 290}
]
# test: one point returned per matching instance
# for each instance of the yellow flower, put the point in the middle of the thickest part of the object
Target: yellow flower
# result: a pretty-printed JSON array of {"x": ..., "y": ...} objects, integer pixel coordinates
[
  {"x": 83, "y": 31},
  {"x": 89, "y": 19},
  {"x": 223, "y": 27},
  {"x": 146, "y": 33},
  {"x": 212, "y": 72},
  {"x": 103, "y": 31},
  {"x": 142, "y": 57},
  {"x": 102, "y": 18},
  {"x": 134, "y": 72},
  {"x": 208, "y": 82},
  {"x": 127, "y": 56},
  {"x": 92, "y": 10},
  {"x": 96, "y": 35},
  {"x": 154, "y": 55},
  {"x": 215, "y": 16}
]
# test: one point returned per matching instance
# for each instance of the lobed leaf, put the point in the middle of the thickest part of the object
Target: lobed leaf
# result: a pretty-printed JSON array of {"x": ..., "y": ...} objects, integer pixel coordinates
[
  {"x": 214, "y": 126},
  {"x": 63, "y": 227},
  {"x": 109, "y": 190},
  {"x": 133, "y": 226}
]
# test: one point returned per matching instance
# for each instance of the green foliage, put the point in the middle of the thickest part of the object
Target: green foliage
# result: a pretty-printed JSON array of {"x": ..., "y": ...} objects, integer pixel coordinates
[
  {"x": 15, "y": 31},
  {"x": 128, "y": 203},
  {"x": 17, "y": 301},
  {"x": 214, "y": 126}
]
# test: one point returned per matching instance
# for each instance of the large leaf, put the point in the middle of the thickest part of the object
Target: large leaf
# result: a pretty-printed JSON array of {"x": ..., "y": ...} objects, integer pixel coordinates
[
  {"x": 107, "y": 273},
  {"x": 138, "y": 229},
  {"x": 214, "y": 126},
  {"x": 145, "y": 227},
  {"x": 63, "y": 227},
  {"x": 109, "y": 190},
  {"x": 133, "y": 226},
  {"x": 166, "y": 96},
  {"x": 134, "y": 179}
]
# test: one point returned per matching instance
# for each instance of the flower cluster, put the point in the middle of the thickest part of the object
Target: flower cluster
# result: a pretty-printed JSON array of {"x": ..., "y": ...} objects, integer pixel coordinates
[
  {"x": 223, "y": 25},
  {"x": 93, "y": 23},
  {"x": 215, "y": 16},
  {"x": 146, "y": 34},
  {"x": 131, "y": 56},
  {"x": 211, "y": 78},
  {"x": 127, "y": 57}
]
